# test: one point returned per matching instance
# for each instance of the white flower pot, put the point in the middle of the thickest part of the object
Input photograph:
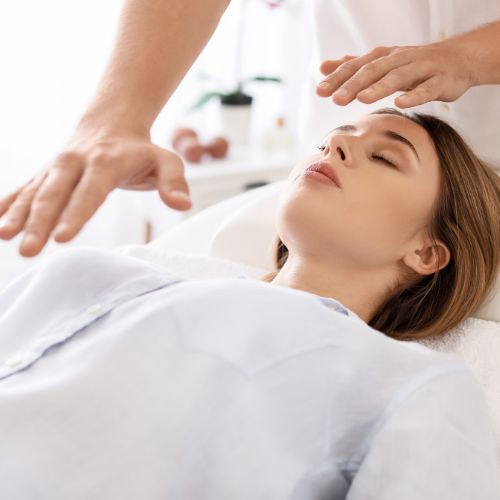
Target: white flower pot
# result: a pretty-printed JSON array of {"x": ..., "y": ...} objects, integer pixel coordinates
[{"x": 234, "y": 122}]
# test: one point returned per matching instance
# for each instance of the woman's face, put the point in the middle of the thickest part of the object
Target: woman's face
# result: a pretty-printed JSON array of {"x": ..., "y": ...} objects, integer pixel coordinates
[{"x": 381, "y": 208}]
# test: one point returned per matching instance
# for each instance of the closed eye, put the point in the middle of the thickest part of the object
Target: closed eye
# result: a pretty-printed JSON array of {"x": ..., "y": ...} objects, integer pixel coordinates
[
  {"x": 380, "y": 158},
  {"x": 383, "y": 159}
]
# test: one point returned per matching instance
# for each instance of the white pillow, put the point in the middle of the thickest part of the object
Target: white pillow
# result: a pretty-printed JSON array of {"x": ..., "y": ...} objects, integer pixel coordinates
[
  {"x": 241, "y": 229},
  {"x": 210, "y": 230}
]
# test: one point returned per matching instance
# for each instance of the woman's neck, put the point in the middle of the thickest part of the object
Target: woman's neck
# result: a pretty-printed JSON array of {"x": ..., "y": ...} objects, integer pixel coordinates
[{"x": 361, "y": 292}]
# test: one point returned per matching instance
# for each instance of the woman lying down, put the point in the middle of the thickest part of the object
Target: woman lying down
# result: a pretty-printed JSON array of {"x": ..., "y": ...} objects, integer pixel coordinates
[{"x": 122, "y": 381}]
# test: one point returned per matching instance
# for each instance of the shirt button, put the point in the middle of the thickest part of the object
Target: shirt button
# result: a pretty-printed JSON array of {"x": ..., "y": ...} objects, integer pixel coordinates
[
  {"x": 93, "y": 308},
  {"x": 14, "y": 361},
  {"x": 441, "y": 36},
  {"x": 444, "y": 107}
]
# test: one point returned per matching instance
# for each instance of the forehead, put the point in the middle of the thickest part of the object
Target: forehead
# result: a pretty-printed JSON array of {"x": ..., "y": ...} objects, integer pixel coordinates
[
  {"x": 394, "y": 122},
  {"x": 416, "y": 134}
]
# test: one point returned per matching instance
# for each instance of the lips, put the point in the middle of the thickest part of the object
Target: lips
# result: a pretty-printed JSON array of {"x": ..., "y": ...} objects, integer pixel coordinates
[{"x": 325, "y": 169}]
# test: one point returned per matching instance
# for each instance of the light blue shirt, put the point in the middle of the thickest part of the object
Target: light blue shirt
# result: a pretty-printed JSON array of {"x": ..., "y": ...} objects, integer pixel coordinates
[{"x": 120, "y": 380}]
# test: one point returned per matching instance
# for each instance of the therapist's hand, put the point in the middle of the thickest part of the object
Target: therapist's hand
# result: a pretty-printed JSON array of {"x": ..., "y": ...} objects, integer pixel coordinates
[
  {"x": 440, "y": 71},
  {"x": 65, "y": 194}
]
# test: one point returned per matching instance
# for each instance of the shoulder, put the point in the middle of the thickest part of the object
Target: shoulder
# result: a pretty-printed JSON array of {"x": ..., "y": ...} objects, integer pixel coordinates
[
  {"x": 95, "y": 261},
  {"x": 88, "y": 271}
]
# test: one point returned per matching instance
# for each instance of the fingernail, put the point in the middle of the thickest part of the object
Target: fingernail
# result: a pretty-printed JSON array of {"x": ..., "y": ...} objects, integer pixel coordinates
[
  {"x": 179, "y": 194},
  {"x": 325, "y": 86},
  {"x": 60, "y": 229},
  {"x": 341, "y": 93},
  {"x": 29, "y": 239},
  {"x": 6, "y": 225}
]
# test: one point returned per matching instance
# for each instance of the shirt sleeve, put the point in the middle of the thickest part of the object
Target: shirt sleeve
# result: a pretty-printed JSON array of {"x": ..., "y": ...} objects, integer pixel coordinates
[
  {"x": 10, "y": 293},
  {"x": 437, "y": 443}
]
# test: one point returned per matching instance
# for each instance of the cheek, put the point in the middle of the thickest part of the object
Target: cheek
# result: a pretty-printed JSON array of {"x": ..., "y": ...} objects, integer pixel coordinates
[
  {"x": 390, "y": 211},
  {"x": 367, "y": 222}
]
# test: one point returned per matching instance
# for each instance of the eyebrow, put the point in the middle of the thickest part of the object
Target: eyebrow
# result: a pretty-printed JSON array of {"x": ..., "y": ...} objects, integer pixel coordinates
[{"x": 387, "y": 133}]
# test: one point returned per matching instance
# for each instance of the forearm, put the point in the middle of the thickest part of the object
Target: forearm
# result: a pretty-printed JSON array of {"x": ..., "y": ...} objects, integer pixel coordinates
[
  {"x": 482, "y": 47},
  {"x": 156, "y": 44}
]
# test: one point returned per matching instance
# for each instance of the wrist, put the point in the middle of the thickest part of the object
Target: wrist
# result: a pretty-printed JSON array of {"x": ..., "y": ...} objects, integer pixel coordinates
[
  {"x": 481, "y": 54},
  {"x": 475, "y": 64},
  {"x": 106, "y": 123}
]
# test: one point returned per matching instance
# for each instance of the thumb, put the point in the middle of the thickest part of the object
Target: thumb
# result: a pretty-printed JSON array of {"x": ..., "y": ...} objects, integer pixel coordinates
[{"x": 172, "y": 185}]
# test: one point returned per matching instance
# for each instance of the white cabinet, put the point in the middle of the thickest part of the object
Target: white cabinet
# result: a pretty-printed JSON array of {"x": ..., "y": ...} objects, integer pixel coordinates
[{"x": 212, "y": 181}]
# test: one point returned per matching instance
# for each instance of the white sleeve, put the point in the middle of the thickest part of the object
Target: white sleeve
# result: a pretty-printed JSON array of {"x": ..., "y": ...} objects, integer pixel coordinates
[
  {"x": 15, "y": 288},
  {"x": 438, "y": 443}
]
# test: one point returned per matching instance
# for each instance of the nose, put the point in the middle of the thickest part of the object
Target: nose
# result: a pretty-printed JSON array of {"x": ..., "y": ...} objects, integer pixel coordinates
[{"x": 338, "y": 148}]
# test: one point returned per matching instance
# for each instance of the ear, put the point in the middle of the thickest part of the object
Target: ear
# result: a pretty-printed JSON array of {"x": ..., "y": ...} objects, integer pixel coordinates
[{"x": 425, "y": 260}]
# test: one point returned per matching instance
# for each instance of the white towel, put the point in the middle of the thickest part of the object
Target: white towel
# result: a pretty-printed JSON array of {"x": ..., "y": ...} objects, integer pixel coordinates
[
  {"x": 190, "y": 266},
  {"x": 476, "y": 341}
]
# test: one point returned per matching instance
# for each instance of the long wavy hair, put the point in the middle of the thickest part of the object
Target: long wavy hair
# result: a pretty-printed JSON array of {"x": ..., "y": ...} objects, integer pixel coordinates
[{"x": 466, "y": 217}]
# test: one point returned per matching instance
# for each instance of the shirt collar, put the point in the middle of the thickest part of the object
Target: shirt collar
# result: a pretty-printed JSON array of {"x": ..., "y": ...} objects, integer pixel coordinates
[{"x": 327, "y": 301}]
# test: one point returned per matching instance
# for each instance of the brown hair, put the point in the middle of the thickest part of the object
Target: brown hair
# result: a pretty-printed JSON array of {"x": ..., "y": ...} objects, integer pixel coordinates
[{"x": 466, "y": 218}]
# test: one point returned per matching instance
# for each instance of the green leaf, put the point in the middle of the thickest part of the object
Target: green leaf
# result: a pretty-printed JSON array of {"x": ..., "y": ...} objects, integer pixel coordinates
[
  {"x": 203, "y": 100},
  {"x": 205, "y": 76},
  {"x": 261, "y": 78}
]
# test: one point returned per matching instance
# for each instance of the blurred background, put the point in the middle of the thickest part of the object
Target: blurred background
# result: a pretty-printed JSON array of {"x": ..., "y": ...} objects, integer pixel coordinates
[{"x": 53, "y": 54}]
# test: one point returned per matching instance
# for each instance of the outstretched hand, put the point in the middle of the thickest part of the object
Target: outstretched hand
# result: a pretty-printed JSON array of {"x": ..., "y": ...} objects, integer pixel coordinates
[
  {"x": 439, "y": 71},
  {"x": 65, "y": 194}
]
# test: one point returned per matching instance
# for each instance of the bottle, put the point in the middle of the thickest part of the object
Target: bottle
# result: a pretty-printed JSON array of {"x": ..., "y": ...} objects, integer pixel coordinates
[{"x": 277, "y": 138}]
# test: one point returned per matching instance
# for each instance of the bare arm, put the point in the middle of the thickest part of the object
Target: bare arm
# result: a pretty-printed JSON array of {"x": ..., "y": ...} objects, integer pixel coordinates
[{"x": 157, "y": 43}]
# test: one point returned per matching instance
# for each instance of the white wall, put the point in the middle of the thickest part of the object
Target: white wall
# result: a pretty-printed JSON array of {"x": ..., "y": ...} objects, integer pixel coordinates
[{"x": 53, "y": 54}]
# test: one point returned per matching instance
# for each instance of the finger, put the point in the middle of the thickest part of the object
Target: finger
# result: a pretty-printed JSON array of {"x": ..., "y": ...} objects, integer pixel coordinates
[
  {"x": 330, "y": 65},
  {"x": 402, "y": 78},
  {"x": 14, "y": 218},
  {"x": 46, "y": 207},
  {"x": 172, "y": 185},
  {"x": 347, "y": 69},
  {"x": 7, "y": 201},
  {"x": 371, "y": 73},
  {"x": 91, "y": 191},
  {"x": 323, "y": 88},
  {"x": 426, "y": 92},
  {"x": 147, "y": 184}
]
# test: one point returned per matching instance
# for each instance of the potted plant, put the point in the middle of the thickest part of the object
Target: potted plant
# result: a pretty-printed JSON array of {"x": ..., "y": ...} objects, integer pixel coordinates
[{"x": 235, "y": 107}]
